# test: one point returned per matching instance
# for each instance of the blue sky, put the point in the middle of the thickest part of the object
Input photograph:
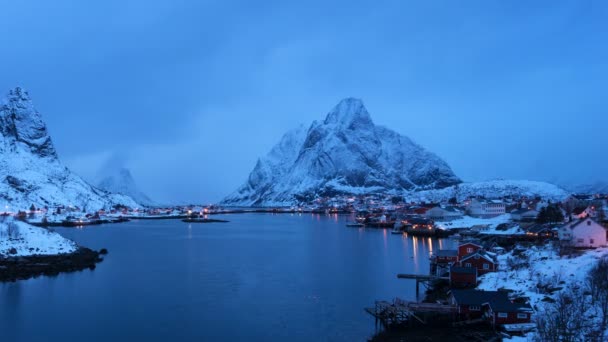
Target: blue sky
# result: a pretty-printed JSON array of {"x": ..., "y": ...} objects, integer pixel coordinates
[{"x": 188, "y": 94}]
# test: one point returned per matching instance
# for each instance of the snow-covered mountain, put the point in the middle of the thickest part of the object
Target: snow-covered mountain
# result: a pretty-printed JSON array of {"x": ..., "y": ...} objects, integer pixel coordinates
[
  {"x": 491, "y": 189},
  {"x": 30, "y": 170},
  {"x": 344, "y": 154},
  {"x": 121, "y": 182}
]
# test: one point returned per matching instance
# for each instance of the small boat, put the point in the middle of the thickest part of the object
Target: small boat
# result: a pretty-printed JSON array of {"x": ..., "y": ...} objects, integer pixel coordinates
[
  {"x": 355, "y": 225},
  {"x": 203, "y": 220},
  {"x": 397, "y": 231}
]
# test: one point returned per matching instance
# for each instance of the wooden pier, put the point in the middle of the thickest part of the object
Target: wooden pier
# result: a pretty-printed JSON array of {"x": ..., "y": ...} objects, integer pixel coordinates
[
  {"x": 401, "y": 312},
  {"x": 421, "y": 279}
]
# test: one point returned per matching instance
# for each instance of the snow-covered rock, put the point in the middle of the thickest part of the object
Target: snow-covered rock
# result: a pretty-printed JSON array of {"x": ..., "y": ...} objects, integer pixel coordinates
[
  {"x": 491, "y": 189},
  {"x": 21, "y": 239},
  {"x": 121, "y": 182},
  {"x": 30, "y": 170},
  {"x": 344, "y": 154}
]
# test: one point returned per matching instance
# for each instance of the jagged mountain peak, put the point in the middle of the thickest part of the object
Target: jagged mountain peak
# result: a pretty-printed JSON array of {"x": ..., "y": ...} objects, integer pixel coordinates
[
  {"x": 121, "y": 181},
  {"x": 18, "y": 94},
  {"x": 344, "y": 154},
  {"x": 349, "y": 113},
  {"x": 21, "y": 124},
  {"x": 30, "y": 171}
]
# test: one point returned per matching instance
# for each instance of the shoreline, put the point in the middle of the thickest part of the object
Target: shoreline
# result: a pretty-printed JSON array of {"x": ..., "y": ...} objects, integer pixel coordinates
[{"x": 15, "y": 268}]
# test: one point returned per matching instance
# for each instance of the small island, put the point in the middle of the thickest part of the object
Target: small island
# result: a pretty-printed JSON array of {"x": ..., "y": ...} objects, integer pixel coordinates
[{"x": 27, "y": 251}]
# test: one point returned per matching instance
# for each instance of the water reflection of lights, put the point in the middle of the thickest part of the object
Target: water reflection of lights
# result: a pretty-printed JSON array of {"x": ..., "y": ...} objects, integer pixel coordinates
[
  {"x": 385, "y": 238},
  {"x": 430, "y": 241},
  {"x": 406, "y": 242}
]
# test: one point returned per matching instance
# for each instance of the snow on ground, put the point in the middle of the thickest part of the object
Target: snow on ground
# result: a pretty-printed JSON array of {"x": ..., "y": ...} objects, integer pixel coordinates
[
  {"x": 468, "y": 222},
  {"x": 31, "y": 240},
  {"x": 542, "y": 266},
  {"x": 545, "y": 267}
]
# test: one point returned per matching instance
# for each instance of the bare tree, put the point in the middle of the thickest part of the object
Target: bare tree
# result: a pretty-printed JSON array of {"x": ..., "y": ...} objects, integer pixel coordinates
[
  {"x": 597, "y": 284},
  {"x": 12, "y": 230},
  {"x": 565, "y": 320}
]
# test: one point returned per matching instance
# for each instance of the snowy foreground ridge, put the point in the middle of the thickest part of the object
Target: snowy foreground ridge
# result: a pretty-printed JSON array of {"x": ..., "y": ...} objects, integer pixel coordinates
[
  {"x": 344, "y": 154},
  {"x": 21, "y": 239},
  {"x": 537, "y": 269},
  {"x": 30, "y": 170}
]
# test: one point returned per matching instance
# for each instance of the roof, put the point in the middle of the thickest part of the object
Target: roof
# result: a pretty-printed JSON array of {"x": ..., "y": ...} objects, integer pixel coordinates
[
  {"x": 575, "y": 224},
  {"x": 537, "y": 228},
  {"x": 481, "y": 253},
  {"x": 465, "y": 270},
  {"x": 416, "y": 220},
  {"x": 523, "y": 211},
  {"x": 476, "y": 297},
  {"x": 579, "y": 210},
  {"x": 469, "y": 243},
  {"x": 498, "y": 300},
  {"x": 447, "y": 252}
]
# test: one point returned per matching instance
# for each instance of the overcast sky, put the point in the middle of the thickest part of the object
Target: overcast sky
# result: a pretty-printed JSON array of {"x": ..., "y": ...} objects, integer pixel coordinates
[{"x": 188, "y": 94}]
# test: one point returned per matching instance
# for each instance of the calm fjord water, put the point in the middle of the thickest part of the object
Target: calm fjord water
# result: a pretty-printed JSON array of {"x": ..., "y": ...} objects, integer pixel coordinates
[{"x": 260, "y": 277}]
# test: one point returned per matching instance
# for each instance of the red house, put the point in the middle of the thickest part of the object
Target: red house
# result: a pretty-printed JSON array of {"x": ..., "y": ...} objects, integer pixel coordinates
[
  {"x": 481, "y": 260},
  {"x": 446, "y": 256},
  {"x": 493, "y": 306},
  {"x": 467, "y": 248},
  {"x": 463, "y": 277}
]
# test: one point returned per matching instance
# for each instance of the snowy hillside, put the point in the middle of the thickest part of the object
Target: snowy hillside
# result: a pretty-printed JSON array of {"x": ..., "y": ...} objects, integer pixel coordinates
[
  {"x": 121, "y": 182},
  {"x": 491, "y": 189},
  {"x": 30, "y": 170},
  {"x": 344, "y": 154},
  {"x": 21, "y": 239},
  {"x": 598, "y": 187}
]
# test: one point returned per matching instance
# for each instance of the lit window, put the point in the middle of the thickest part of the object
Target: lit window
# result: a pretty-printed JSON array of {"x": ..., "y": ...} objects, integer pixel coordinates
[
  {"x": 502, "y": 315},
  {"x": 474, "y": 308},
  {"x": 522, "y": 316}
]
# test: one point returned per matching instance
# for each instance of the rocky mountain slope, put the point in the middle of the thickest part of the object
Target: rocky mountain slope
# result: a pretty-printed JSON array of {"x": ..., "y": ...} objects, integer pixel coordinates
[
  {"x": 30, "y": 170},
  {"x": 344, "y": 154}
]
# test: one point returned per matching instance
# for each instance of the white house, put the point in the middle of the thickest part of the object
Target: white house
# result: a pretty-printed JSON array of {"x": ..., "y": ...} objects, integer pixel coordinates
[
  {"x": 584, "y": 233},
  {"x": 485, "y": 208},
  {"x": 443, "y": 214}
]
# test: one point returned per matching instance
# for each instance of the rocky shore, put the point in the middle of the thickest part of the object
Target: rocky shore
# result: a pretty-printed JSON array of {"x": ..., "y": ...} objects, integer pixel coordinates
[{"x": 14, "y": 268}]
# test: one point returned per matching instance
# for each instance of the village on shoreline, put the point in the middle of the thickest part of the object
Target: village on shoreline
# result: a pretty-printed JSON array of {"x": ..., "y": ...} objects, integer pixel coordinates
[{"x": 515, "y": 255}]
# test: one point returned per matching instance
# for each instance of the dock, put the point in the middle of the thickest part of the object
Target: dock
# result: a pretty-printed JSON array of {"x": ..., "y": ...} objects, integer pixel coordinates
[
  {"x": 401, "y": 311},
  {"x": 423, "y": 279}
]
